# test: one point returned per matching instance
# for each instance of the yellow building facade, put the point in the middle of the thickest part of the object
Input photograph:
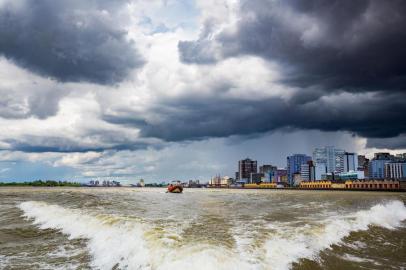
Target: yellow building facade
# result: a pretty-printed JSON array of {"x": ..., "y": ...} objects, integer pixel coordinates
[
  {"x": 361, "y": 185},
  {"x": 261, "y": 185}
]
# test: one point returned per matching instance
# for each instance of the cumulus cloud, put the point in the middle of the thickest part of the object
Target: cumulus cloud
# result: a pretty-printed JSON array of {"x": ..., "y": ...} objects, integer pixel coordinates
[{"x": 69, "y": 41}]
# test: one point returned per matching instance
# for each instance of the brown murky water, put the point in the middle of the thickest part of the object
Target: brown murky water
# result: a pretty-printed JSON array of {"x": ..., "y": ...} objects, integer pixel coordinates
[{"x": 124, "y": 228}]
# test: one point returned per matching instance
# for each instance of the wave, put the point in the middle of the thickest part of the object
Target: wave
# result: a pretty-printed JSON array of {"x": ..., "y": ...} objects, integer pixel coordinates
[
  {"x": 128, "y": 244},
  {"x": 289, "y": 245},
  {"x": 111, "y": 241},
  {"x": 114, "y": 242}
]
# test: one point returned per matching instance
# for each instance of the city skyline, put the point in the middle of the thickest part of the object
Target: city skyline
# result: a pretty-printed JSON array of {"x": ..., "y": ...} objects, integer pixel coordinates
[{"x": 184, "y": 89}]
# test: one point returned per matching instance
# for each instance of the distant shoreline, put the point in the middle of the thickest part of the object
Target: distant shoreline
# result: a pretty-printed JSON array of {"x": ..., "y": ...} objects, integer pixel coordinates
[
  {"x": 76, "y": 185},
  {"x": 41, "y": 183}
]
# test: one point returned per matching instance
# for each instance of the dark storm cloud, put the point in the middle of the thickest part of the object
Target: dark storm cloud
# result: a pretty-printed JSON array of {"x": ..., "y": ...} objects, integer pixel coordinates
[
  {"x": 398, "y": 142},
  {"x": 342, "y": 44},
  {"x": 102, "y": 141},
  {"x": 70, "y": 41},
  {"x": 322, "y": 48},
  {"x": 368, "y": 116}
]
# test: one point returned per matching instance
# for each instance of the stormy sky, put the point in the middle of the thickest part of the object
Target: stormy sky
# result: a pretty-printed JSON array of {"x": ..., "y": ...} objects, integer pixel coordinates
[{"x": 167, "y": 89}]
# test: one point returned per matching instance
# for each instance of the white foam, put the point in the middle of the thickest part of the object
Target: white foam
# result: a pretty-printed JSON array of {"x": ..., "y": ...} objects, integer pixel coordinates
[
  {"x": 356, "y": 259},
  {"x": 289, "y": 246},
  {"x": 132, "y": 245},
  {"x": 4, "y": 261},
  {"x": 110, "y": 242}
]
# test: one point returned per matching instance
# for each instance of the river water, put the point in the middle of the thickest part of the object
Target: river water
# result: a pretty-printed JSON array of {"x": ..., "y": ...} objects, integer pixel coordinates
[{"x": 129, "y": 228}]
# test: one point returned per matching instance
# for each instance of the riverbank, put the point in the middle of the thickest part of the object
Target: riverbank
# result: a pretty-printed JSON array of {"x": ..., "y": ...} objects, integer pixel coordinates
[{"x": 40, "y": 183}]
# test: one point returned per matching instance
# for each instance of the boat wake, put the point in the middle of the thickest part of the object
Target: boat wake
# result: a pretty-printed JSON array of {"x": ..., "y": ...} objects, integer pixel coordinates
[
  {"x": 127, "y": 243},
  {"x": 112, "y": 241},
  {"x": 289, "y": 244}
]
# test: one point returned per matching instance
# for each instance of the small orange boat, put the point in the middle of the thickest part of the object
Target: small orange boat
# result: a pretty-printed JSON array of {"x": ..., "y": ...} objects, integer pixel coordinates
[{"x": 175, "y": 188}]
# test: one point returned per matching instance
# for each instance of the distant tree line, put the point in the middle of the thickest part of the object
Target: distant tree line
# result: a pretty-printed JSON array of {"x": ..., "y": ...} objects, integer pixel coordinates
[
  {"x": 156, "y": 185},
  {"x": 41, "y": 183}
]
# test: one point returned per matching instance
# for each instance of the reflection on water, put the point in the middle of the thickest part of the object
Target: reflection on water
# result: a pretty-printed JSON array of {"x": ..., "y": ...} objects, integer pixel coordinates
[{"x": 123, "y": 228}]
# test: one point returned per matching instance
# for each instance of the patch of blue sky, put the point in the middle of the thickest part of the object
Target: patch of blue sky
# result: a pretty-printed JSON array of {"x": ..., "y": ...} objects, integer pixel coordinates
[
  {"x": 20, "y": 171},
  {"x": 172, "y": 15}
]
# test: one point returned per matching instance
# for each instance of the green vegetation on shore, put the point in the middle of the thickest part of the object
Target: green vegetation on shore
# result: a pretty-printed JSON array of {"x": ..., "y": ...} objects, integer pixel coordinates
[{"x": 40, "y": 183}]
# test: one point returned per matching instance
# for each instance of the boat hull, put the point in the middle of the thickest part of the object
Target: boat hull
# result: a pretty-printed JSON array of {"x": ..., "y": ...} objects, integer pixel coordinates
[{"x": 175, "y": 189}]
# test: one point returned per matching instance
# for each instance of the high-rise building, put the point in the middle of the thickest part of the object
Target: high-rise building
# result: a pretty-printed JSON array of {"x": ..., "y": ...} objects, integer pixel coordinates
[
  {"x": 377, "y": 165},
  {"x": 332, "y": 157},
  {"x": 377, "y": 168},
  {"x": 245, "y": 168},
  {"x": 269, "y": 172},
  {"x": 363, "y": 165},
  {"x": 255, "y": 178},
  {"x": 395, "y": 170},
  {"x": 350, "y": 162},
  {"x": 294, "y": 164},
  {"x": 307, "y": 171},
  {"x": 320, "y": 169}
]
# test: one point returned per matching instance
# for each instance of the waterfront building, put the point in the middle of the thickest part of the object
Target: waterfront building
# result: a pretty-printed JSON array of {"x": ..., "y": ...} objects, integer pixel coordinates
[
  {"x": 320, "y": 169},
  {"x": 94, "y": 183},
  {"x": 265, "y": 168},
  {"x": 256, "y": 177},
  {"x": 294, "y": 164},
  {"x": 226, "y": 181},
  {"x": 350, "y": 162},
  {"x": 363, "y": 164},
  {"x": 351, "y": 175},
  {"x": 373, "y": 185},
  {"x": 245, "y": 168},
  {"x": 115, "y": 183},
  {"x": 350, "y": 184},
  {"x": 215, "y": 181},
  {"x": 377, "y": 168},
  {"x": 108, "y": 183},
  {"x": 332, "y": 157},
  {"x": 377, "y": 165},
  {"x": 395, "y": 170},
  {"x": 261, "y": 186},
  {"x": 307, "y": 171},
  {"x": 281, "y": 176},
  {"x": 297, "y": 179},
  {"x": 316, "y": 185},
  {"x": 194, "y": 183},
  {"x": 269, "y": 172}
]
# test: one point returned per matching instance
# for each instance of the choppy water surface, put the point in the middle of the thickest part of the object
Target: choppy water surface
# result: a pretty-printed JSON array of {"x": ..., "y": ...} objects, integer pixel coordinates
[{"x": 123, "y": 228}]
